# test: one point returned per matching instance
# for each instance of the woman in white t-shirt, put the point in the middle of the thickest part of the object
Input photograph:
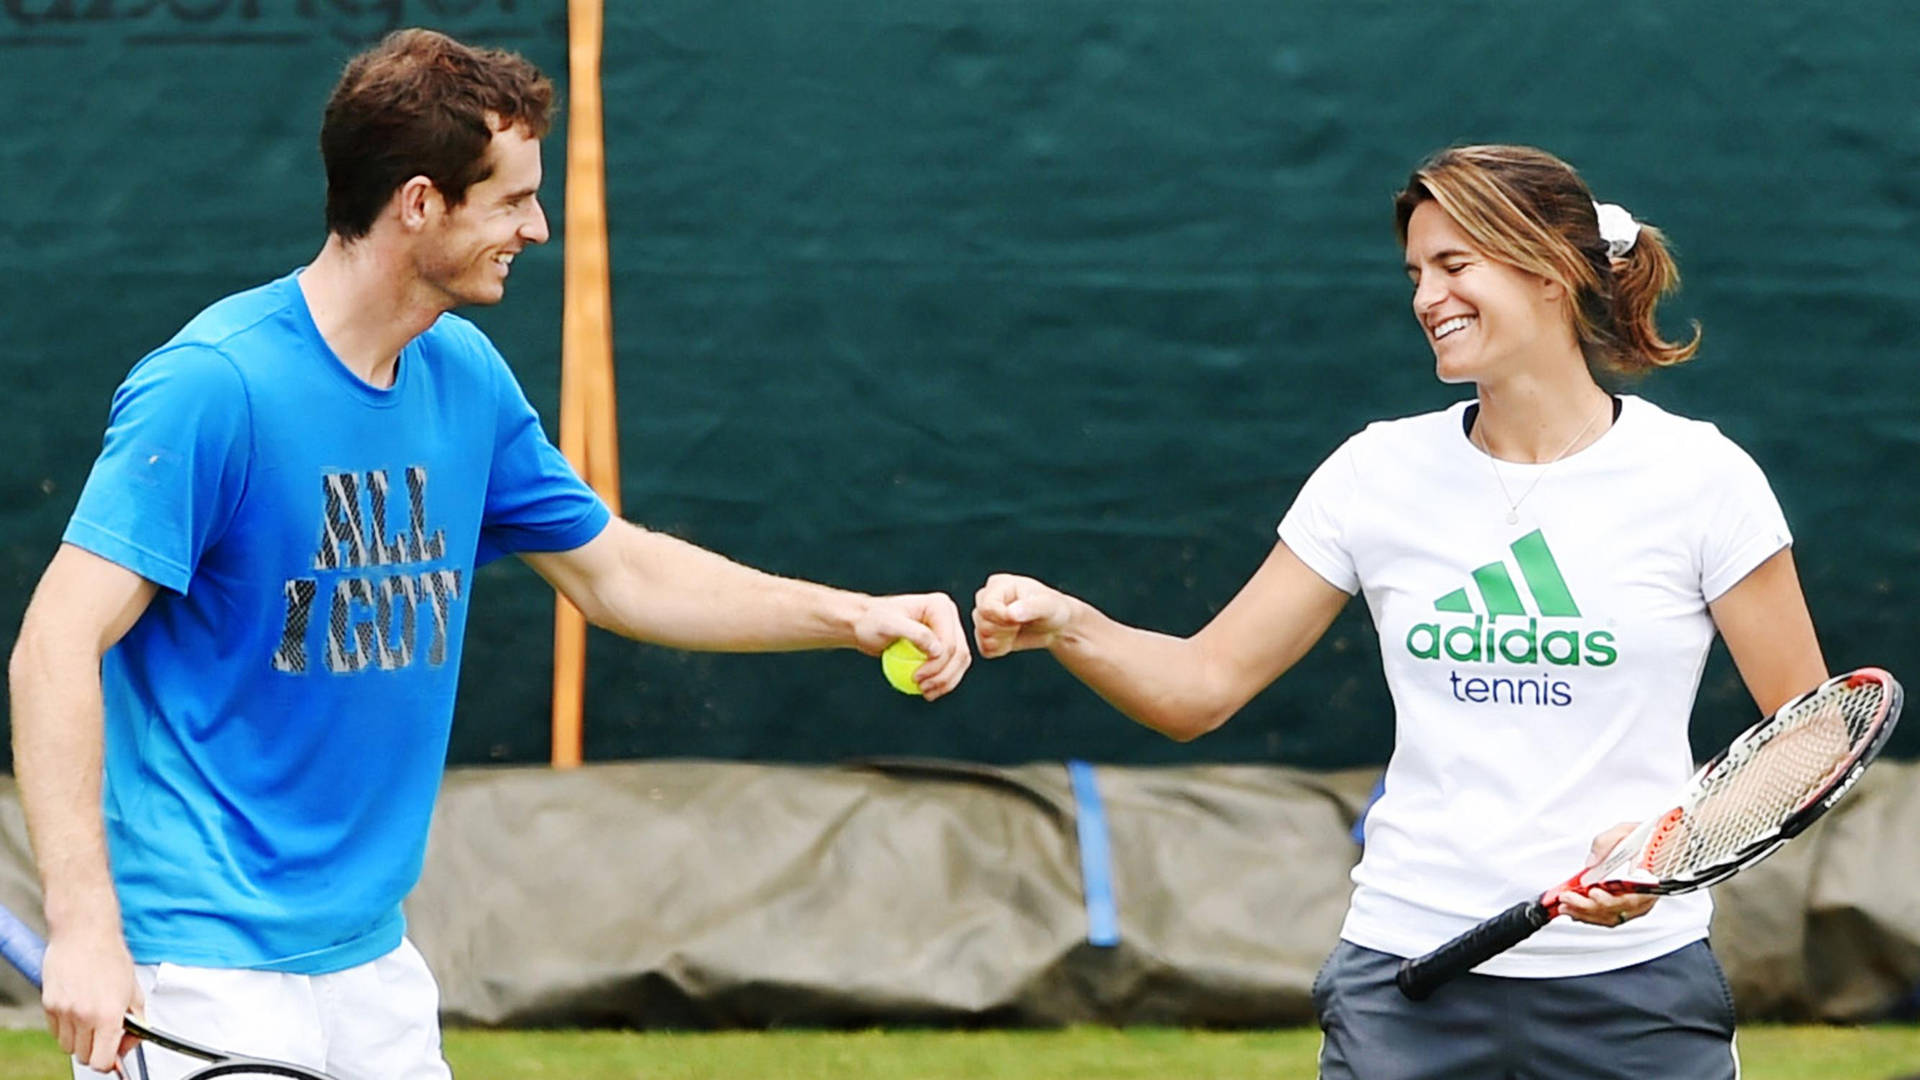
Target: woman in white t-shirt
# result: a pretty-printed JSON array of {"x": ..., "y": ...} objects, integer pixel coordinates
[{"x": 1546, "y": 566}]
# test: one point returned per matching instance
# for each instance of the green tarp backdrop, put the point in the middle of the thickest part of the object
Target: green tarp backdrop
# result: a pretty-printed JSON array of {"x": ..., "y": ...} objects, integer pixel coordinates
[{"x": 909, "y": 291}]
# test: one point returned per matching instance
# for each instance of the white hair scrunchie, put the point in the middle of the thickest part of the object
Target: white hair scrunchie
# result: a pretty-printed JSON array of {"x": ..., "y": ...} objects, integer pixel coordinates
[{"x": 1617, "y": 228}]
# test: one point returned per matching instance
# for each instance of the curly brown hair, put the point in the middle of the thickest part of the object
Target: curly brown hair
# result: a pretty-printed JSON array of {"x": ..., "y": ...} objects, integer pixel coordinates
[{"x": 421, "y": 104}]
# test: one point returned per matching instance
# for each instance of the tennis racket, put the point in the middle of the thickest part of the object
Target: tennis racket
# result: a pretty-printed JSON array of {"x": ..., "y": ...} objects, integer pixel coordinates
[
  {"x": 1772, "y": 782},
  {"x": 24, "y": 950}
]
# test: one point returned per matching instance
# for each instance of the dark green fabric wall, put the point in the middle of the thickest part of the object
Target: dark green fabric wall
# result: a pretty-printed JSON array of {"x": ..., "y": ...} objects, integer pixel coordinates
[{"x": 909, "y": 291}]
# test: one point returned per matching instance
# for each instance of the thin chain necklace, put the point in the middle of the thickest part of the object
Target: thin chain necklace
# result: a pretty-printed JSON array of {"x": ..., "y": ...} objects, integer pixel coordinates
[{"x": 1513, "y": 504}]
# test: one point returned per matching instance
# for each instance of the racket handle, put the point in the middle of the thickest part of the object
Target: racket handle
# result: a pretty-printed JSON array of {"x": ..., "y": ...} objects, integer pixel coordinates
[
  {"x": 21, "y": 946},
  {"x": 1423, "y": 975}
]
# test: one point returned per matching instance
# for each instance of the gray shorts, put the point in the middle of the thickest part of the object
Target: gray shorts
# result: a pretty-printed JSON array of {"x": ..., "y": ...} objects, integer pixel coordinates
[{"x": 1669, "y": 1016}]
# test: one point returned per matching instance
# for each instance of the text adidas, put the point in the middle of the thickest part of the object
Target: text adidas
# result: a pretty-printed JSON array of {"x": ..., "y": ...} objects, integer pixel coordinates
[{"x": 1484, "y": 641}]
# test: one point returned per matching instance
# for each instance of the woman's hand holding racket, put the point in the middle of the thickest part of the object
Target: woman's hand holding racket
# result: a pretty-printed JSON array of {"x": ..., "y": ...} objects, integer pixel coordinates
[
  {"x": 1597, "y": 905},
  {"x": 1772, "y": 782}
]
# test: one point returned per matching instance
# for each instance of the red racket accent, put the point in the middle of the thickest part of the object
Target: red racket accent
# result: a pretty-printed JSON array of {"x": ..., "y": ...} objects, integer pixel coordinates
[{"x": 1664, "y": 834}]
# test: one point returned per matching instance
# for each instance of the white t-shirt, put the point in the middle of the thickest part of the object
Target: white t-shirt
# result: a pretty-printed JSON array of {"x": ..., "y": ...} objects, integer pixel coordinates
[{"x": 1543, "y": 673}]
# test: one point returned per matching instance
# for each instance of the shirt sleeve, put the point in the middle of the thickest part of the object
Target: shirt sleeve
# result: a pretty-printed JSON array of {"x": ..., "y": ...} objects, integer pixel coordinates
[
  {"x": 1317, "y": 526},
  {"x": 173, "y": 467},
  {"x": 1744, "y": 526},
  {"x": 535, "y": 501}
]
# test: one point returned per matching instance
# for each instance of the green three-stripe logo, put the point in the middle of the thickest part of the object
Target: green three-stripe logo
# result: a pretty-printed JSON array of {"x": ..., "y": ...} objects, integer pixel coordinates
[
  {"x": 1542, "y": 575},
  {"x": 1492, "y": 622}
]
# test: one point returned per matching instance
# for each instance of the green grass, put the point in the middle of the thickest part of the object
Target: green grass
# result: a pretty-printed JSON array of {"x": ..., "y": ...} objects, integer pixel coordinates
[{"x": 1767, "y": 1053}]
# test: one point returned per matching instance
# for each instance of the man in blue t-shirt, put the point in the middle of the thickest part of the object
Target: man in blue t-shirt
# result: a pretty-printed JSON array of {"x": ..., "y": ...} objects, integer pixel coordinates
[{"x": 256, "y": 618}]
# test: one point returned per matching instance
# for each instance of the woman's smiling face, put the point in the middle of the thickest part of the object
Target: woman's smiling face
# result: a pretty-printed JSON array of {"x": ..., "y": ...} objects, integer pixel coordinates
[{"x": 1483, "y": 319}]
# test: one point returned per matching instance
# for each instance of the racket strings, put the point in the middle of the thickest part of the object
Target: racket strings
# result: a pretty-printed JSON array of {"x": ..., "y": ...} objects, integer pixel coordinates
[{"x": 1779, "y": 769}]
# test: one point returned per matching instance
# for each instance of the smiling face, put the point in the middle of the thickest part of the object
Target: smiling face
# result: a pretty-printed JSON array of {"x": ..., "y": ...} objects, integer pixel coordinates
[
  {"x": 1485, "y": 320},
  {"x": 466, "y": 251}
]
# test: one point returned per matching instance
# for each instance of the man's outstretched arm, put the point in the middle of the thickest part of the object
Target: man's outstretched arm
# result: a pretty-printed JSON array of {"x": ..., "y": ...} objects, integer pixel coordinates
[{"x": 653, "y": 587}]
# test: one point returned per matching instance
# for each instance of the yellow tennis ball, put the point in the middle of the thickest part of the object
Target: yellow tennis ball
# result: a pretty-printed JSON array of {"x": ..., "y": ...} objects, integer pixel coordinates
[{"x": 900, "y": 660}]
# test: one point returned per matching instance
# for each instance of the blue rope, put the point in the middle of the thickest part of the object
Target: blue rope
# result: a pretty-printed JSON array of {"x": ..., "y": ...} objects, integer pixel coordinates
[{"x": 1096, "y": 872}]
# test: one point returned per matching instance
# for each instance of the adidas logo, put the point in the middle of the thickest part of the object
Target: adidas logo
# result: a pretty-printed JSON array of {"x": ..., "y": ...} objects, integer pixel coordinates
[{"x": 1495, "y": 595}]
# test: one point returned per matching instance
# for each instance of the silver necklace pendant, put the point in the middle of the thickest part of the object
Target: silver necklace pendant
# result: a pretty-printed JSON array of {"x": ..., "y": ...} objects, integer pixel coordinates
[{"x": 1513, "y": 504}]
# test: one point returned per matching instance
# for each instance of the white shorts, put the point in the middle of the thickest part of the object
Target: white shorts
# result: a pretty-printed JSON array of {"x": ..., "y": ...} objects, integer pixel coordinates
[{"x": 377, "y": 1021}]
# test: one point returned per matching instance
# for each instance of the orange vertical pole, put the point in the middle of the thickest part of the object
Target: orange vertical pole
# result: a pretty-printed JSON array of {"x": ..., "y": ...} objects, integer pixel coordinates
[{"x": 588, "y": 434}]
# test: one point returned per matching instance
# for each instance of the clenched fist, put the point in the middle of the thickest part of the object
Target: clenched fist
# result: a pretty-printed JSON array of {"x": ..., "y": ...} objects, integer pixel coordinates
[{"x": 1012, "y": 613}]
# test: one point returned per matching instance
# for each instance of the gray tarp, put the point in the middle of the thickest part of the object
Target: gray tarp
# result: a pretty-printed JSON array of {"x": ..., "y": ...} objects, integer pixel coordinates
[{"x": 684, "y": 893}]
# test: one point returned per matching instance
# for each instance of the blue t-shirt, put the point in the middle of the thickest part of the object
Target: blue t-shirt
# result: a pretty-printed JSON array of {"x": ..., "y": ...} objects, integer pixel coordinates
[{"x": 277, "y": 719}]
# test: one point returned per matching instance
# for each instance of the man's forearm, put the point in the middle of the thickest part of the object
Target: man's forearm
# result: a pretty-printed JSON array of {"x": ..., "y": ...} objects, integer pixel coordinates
[
  {"x": 678, "y": 594},
  {"x": 57, "y": 746},
  {"x": 688, "y": 597}
]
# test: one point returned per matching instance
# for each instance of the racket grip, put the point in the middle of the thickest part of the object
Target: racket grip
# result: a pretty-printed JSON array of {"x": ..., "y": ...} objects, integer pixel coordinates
[
  {"x": 1422, "y": 975},
  {"x": 21, "y": 946}
]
